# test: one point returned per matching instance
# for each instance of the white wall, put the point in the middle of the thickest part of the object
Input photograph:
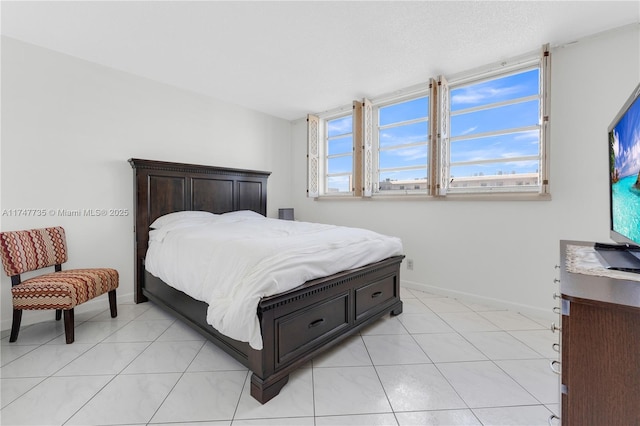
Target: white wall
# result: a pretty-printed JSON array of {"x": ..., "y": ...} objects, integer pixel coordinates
[
  {"x": 503, "y": 253},
  {"x": 68, "y": 128}
]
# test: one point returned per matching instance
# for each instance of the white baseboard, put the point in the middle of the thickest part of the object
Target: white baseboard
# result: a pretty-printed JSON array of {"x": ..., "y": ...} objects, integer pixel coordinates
[
  {"x": 99, "y": 303},
  {"x": 530, "y": 311}
]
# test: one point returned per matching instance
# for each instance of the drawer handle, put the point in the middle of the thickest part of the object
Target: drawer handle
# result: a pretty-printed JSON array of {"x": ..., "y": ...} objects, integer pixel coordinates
[
  {"x": 316, "y": 323},
  {"x": 556, "y": 310},
  {"x": 552, "y": 366},
  {"x": 554, "y": 327},
  {"x": 556, "y": 347},
  {"x": 376, "y": 294},
  {"x": 552, "y": 419}
]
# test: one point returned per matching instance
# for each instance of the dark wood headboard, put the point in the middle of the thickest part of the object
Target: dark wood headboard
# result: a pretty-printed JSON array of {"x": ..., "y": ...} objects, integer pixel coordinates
[{"x": 162, "y": 187}]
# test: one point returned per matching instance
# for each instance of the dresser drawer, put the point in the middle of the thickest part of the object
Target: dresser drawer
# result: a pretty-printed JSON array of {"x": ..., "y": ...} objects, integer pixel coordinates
[
  {"x": 298, "y": 331},
  {"x": 375, "y": 295}
]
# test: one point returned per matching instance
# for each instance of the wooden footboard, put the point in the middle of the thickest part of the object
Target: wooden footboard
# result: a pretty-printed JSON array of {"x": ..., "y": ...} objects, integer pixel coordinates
[{"x": 302, "y": 323}]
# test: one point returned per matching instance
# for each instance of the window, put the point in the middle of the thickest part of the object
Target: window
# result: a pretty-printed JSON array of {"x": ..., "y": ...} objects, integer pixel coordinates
[
  {"x": 402, "y": 142},
  {"x": 482, "y": 132},
  {"x": 496, "y": 133}
]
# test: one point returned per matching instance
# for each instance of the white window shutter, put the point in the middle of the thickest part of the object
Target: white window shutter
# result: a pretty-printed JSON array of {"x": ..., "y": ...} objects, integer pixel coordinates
[
  {"x": 367, "y": 148},
  {"x": 442, "y": 161},
  {"x": 313, "y": 157},
  {"x": 546, "y": 107}
]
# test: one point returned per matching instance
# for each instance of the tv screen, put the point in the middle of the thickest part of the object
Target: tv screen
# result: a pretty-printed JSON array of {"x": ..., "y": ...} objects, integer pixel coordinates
[{"x": 624, "y": 165}]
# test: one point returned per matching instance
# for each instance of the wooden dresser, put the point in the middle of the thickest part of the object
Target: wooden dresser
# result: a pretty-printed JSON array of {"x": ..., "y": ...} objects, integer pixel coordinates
[{"x": 600, "y": 345}]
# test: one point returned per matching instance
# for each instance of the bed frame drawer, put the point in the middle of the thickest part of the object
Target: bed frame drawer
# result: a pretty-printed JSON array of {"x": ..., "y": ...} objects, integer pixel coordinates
[
  {"x": 373, "y": 297},
  {"x": 298, "y": 331}
]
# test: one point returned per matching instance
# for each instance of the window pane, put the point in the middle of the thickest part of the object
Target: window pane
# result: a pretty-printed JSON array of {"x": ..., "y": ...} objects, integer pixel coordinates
[
  {"x": 496, "y": 90},
  {"x": 339, "y": 155},
  {"x": 403, "y": 145},
  {"x": 410, "y": 156},
  {"x": 340, "y": 126},
  {"x": 410, "y": 133},
  {"x": 508, "y": 173},
  {"x": 340, "y": 145},
  {"x": 342, "y": 164},
  {"x": 501, "y": 118},
  {"x": 339, "y": 184},
  {"x": 408, "y": 110},
  {"x": 494, "y": 147}
]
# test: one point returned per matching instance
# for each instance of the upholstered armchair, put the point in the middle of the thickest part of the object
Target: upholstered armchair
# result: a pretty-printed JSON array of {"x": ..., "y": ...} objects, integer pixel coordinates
[{"x": 34, "y": 249}]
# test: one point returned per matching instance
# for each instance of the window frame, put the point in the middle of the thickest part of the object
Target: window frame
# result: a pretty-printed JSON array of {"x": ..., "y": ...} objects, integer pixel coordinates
[
  {"x": 421, "y": 91},
  {"x": 495, "y": 74},
  {"x": 318, "y": 154},
  {"x": 541, "y": 60}
]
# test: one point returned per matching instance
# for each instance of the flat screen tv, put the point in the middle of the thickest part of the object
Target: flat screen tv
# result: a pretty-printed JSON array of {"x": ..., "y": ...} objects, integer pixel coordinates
[{"x": 624, "y": 188}]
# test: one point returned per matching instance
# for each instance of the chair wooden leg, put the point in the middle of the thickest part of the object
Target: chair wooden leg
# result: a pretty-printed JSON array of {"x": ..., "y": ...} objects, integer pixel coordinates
[
  {"x": 58, "y": 314},
  {"x": 112, "y": 304},
  {"x": 15, "y": 325},
  {"x": 68, "y": 325}
]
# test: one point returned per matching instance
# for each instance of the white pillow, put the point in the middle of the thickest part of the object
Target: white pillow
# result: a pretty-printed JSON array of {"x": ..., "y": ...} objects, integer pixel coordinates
[{"x": 170, "y": 218}]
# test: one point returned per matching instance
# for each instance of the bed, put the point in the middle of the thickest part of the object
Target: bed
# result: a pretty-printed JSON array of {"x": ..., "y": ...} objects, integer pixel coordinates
[{"x": 296, "y": 325}]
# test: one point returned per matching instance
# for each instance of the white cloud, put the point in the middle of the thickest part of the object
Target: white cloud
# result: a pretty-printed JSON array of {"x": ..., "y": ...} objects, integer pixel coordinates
[
  {"x": 390, "y": 139},
  {"x": 340, "y": 126},
  {"x": 480, "y": 94},
  {"x": 616, "y": 143},
  {"x": 469, "y": 130}
]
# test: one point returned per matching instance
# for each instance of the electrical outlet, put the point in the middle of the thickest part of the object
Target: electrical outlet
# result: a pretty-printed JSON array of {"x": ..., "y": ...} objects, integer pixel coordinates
[{"x": 410, "y": 264}]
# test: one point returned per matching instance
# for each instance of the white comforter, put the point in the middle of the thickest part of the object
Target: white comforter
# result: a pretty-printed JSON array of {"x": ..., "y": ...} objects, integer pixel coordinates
[{"x": 230, "y": 261}]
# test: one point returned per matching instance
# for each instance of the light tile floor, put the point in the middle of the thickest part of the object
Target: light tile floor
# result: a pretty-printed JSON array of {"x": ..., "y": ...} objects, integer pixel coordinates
[{"x": 442, "y": 362}]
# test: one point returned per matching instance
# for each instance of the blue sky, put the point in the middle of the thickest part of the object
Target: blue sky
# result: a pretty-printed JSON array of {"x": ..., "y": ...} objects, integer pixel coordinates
[
  {"x": 626, "y": 141},
  {"x": 411, "y": 133}
]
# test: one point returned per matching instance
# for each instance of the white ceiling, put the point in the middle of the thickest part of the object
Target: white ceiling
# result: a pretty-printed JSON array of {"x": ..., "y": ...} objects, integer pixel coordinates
[{"x": 290, "y": 58}]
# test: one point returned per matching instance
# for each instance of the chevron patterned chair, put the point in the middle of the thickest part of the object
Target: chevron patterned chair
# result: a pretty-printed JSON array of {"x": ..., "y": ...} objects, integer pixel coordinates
[{"x": 33, "y": 249}]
